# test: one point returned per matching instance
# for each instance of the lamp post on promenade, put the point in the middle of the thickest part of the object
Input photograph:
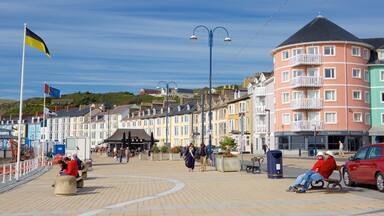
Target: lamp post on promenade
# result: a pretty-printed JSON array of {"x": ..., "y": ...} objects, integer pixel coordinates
[
  {"x": 90, "y": 129},
  {"x": 167, "y": 85},
  {"x": 210, "y": 44},
  {"x": 269, "y": 128}
]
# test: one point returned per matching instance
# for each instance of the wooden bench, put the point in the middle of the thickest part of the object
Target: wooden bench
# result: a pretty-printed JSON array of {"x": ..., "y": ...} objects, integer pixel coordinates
[
  {"x": 255, "y": 168},
  {"x": 65, "y": 185},
  {"x": 333, "y": 184}
]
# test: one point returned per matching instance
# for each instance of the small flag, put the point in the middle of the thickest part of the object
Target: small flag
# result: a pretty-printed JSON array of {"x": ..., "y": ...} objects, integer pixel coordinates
[
  {"x": 49, "y": 112},
  {"x": 54, "y": 92},
  {"x": 35, "y": 41}
]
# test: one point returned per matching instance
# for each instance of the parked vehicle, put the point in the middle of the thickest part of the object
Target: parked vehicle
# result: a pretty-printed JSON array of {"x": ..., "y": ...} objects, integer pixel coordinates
[{"x": 366, "y": 167}]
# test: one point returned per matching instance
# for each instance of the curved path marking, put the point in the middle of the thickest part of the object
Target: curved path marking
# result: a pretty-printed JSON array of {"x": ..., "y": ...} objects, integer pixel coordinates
[{"x": 178, "y": 186}]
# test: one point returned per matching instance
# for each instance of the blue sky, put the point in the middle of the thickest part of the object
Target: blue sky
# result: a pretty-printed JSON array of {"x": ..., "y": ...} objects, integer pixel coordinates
[{"x": 125, "y": 45}]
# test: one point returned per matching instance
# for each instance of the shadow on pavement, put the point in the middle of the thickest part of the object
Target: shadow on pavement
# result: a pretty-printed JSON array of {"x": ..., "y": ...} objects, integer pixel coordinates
[
  {"x": 106, "y": 164},
  {"x": 90, "y": 190}
]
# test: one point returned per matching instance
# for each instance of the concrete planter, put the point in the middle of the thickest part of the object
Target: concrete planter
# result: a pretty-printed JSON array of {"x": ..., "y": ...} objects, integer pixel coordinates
[
  {"x": 227, "y": 164},
  {"x": 164, "y": 156},
  {"x": 174, "y": 156},
  {"x": 143, "y": 156}
]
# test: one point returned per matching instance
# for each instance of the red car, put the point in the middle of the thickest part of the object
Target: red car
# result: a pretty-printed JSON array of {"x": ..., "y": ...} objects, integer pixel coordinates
[{"x": 366, "y": 167}]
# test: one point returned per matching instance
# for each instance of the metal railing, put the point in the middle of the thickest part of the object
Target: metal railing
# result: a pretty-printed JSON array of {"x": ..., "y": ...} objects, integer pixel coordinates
[
  {"x": 307, "y": 103},
  {"x": 306, "y": 125},
  {"x": 259, "y": 109},
  {"x": 261, "y": 129},
  {"x": 8, "y": 171},
  {"x": 306, "y": 59},
  {"x": 307, "y": 81}
]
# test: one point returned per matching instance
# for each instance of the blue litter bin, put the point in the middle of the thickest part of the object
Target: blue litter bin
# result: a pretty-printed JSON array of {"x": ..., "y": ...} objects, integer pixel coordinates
[
  {"x": 312, "y": 152},
  {"x": 275, "y": 164}
]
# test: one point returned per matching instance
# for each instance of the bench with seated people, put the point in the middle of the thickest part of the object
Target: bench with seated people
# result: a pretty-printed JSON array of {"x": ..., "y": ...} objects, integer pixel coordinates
[
  {"x": 333, "y": 184},
  {"x": 69, "y": 179},
  {"x": 255, "y": 168}
]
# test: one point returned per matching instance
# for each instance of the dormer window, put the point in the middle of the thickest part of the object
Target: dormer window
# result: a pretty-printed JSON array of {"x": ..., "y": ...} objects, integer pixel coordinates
[
  {"x": 188, "y": 107},
  {"x": 162, "y": 110},
  {"x": 179, "y": 108},
  {"x": 380, "y": 54},
  {"x": 154, "y": 111},
  {"x": 169, "y": 109}
]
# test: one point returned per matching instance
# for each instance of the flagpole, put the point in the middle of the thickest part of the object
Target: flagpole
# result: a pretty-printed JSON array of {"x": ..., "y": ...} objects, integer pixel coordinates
[
  {"x": 44, "y": 126},
  {"x": 20, "y": 107}
]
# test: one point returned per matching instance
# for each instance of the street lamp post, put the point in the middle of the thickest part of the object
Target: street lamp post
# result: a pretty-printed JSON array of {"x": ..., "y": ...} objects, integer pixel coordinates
[
  {"x": 210, "y": 44},
  {"x": 90, "y": 129},
  {"x": 269, "y": 128},
  {"x": 167, "y": 85}
]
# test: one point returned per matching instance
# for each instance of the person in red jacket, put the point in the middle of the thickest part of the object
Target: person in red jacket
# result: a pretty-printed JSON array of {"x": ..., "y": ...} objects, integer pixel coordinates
[
  {"x": 300, "y": 179},
  {"x": 324, "y": 171},
  {"x": 72, "y": 168}
]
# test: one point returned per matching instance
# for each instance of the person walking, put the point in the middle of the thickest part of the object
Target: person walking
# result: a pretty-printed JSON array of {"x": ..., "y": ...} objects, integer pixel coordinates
[
  {"x": 190, "y": 158},
  {"x": 127, "y": 154},
  {"x": 203, "y": 157},
  {"x": 264, "y": 148},
  {"x": 121, "y": 153},
  {"x": 341, "y": 149}
]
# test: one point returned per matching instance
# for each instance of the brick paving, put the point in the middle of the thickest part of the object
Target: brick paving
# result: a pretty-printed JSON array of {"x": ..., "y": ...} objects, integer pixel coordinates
[{"x": 146, "y": 188}]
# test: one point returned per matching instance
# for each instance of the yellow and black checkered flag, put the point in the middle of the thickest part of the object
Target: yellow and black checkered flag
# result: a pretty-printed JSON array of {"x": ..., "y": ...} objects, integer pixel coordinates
[{"x": 35, "y": 41}]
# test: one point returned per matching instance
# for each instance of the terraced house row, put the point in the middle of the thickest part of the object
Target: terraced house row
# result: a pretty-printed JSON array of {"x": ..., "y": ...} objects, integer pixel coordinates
[{"x": 327, "y": 85}]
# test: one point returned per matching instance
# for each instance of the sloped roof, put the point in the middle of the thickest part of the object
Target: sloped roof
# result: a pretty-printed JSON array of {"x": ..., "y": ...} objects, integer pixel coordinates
[
  {"x": 377, "y": 43},
  {"x": 72, "y": 112},
  {"x": 320, "y": 29},
  {"x": 135, "y": 134},
  {"x": 185, "y": 91}
]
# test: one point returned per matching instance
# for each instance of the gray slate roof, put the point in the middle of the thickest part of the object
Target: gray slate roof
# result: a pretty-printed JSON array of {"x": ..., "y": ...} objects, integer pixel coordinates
[
  {"x": 135, "y": 134},
  {"x": 377, "y": 43},
  {"x": 72, "y": 112},
  {"x": 320, "y": 29}
]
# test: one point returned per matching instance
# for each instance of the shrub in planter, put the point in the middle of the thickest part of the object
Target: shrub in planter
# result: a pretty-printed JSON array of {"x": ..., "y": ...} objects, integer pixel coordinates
[
  {"x": 176, "y": 149},
  {"x": 155, "y": 149},
  {"x": 164, "y": 149},
  {"x": 227, "y": 144}
]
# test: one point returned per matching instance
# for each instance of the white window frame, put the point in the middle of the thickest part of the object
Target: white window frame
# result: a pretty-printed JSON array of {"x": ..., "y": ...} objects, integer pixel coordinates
[
  {"x": 282, "y": 76},
  {"x": 366, "y": 54},
  {"x": 368, "y": 119},
  {"x": 367, "y": 96},
  {"x": 329, "y": 78},
  {"x": 296, "y": 70},
  {"x": 293, "y": 93},
  {"x": 329, "y": 46},
  {"x": 294, "y": 50},
  {"x": 282, "y": 98},
  {"x": 317, "y": 47},
  {"x": 381, "y": 96},
  {"x": 359, "y": 74},
  {"x": 382, "y": 118},
  {"x": 289, "y": 118},
  {"x": 380, "y": 54},
  {"x": 366, "y": 75},
  {"x": 325, "y": 99},
  {"x": 359, "y": 51},
  {"x": 283, "y": 58},
  {"x": 353, "y": 98},
  {"x": 361, "y": 117},
  {"x": 325, "y": 118},
  {"x": 296, "y": 114},
  {"x": 381, "y": 74}
]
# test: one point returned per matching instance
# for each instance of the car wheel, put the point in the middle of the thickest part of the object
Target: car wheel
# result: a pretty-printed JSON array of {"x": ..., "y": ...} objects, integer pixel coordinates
[
  {"x": 380, "y": 182},
  {"x": 347, "y": 179}
]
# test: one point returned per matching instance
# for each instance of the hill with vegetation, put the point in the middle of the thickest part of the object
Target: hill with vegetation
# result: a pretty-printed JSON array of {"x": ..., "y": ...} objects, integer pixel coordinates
[{"x": 33, "y": 106}]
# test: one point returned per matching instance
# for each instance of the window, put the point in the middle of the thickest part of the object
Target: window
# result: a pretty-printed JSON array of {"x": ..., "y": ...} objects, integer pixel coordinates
[
  {"x": 357, "y": 117},
  {"x": 361, "y": 154},
  {"x": 375, "y": 152},
  {"x": 366, "y": 97},
  {"x": 285, "y": 97},
  {"x": 296, "y": 95},
  {"x": 330, "y": 118},
  {"x": 329, "y": 73},
  {"x": 382, "y": 118},
  {"x": 356, "y": 73},
  {"x": 286, "y": 118},
  {"x": 285, "y": 55},
  {"x": 366, "y": 54},
  {"x": 356, "y": 95},
  {"x": 382, "y": 97},
  {"x": 367, "y": 118},
  {"x": 285, "y": 76},
  {"x": 299, "y": 116},
  {"x": 297, "y": 51},
  {"x": 313, "y": 72},
  {"x": 382, "y": 76},
  {"x": 298, "y": 73},
  {"x": 366, "y": 76},
  {"x": 356, "y": 51},
  {"x": 243, "y": 107},
  {"x": 329, "y": 50},
  {"x": 380, "y": 54},
  {"x": 313, "y": 50},
  {"x": 329, "y": 95}
]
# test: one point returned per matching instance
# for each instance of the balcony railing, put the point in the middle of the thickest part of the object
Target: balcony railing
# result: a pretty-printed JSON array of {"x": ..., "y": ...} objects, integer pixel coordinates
[
  {"x": 260, "y": 109},
  {"x": 261, "y": 128},
  {"x": 306, "y": 125},
  {"x": 259, "y": 91},
  {"x": 305, "y": 59},
  {"x": 306, "y": 81},
  {"x": 307, "y": 103}
]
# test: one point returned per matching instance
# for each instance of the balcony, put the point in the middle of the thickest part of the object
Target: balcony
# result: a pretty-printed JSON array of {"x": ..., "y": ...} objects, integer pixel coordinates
[
  {"x": 307, "y": 103},
  {"x": 259, "y": 109},
  {"x": 260, "y": 91},
  {"x": 307, "y": 81},
  {"x": 261, "y": 129},
  {"x": 305, "y": 59},
  {"x": 306, "y": 125}
]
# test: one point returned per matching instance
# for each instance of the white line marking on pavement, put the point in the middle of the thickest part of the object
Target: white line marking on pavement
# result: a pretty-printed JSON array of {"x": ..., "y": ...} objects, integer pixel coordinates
[{"x": 178, "y": 186}]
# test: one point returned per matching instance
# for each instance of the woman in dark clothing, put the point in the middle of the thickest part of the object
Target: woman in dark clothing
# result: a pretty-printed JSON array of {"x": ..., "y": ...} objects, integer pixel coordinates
[{"x": 190, "y": 158}]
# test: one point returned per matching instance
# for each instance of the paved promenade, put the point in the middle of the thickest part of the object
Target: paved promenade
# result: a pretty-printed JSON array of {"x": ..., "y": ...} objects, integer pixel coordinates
[{"x": 166, "y": 188}]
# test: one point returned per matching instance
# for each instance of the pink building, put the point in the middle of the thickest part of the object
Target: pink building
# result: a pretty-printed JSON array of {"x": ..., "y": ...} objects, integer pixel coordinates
[{"x": 322, "y": 88}]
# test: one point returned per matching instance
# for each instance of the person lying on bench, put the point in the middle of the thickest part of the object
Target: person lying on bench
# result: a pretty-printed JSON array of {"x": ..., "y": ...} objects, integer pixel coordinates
[
  {"x": 300, "y": 179},
  {"x": 325, "y": 170}
]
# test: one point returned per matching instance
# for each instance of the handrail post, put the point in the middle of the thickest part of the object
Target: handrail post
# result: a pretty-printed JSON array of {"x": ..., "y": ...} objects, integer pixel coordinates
[
  {"x": 10, "y": 172},
  {"x": 4, "y": 173}
]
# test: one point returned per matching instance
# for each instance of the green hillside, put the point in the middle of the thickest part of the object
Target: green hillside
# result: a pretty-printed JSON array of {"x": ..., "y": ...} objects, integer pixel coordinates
[{"x": 35, "y": 105}]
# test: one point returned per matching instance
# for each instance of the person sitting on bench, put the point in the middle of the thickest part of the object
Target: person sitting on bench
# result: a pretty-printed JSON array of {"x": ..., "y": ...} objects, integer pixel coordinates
[
  {"x": 325, "y": 170},
  {"x": 72, "y": 168},
  {"x": 300, "y": 179}
]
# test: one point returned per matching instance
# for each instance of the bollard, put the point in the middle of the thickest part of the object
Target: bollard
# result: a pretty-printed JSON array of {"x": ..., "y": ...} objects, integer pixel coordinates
[
  {"x": 3, "y": 173},
  {"x": 10, "y": 172}
]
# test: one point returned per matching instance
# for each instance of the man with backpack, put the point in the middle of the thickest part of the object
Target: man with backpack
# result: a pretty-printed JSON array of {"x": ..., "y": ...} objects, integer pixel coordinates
[{"x": 203, "y": 157}]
